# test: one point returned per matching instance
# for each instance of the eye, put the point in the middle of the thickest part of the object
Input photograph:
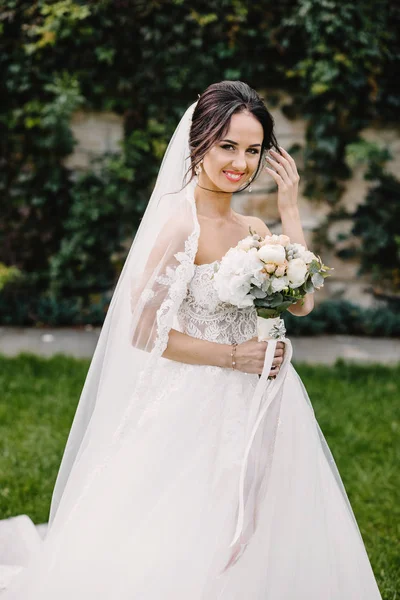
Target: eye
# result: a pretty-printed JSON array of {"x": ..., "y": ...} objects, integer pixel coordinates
[{"x": 227, "y": 146}]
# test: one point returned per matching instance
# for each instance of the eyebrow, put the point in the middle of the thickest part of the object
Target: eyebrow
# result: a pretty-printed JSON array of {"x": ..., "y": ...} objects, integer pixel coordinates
[{"x": 236, "y": 144}]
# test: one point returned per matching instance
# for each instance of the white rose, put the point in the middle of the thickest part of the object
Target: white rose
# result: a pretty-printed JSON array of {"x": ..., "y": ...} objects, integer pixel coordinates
[
  {"x": 304, "y": 254},
  {"x": 239, "y": 288},
  {"x": 247, "y": 243},
  {"x": 238, "y": 269},
  {"x": 272, "y": 253},
  {"x": 308, "y": 256},
  {"x": 296, "y": 272}
]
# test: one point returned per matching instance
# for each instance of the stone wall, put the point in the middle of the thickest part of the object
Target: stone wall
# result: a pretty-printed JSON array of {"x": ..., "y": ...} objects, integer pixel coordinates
[{"x": 96, "y": 133}]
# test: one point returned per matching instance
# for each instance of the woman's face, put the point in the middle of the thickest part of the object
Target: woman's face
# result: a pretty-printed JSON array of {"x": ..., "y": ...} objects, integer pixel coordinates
[{"x": 228, "y": 164}]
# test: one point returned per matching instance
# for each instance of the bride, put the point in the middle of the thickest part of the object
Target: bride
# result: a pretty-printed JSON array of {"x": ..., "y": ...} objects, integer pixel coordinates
[{"x": 195, "y": 468}]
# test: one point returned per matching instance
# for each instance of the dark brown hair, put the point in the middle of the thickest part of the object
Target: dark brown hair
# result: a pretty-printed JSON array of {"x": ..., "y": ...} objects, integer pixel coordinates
[{"x": 212, "y": 114}]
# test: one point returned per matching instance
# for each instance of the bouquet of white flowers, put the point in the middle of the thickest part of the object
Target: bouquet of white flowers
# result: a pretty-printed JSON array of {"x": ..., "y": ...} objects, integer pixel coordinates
[{"x": 271, "y": 274}]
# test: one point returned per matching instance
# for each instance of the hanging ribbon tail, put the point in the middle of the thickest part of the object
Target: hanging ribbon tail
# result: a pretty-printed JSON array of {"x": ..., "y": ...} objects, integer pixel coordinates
[{"x": 264, "y": 395}]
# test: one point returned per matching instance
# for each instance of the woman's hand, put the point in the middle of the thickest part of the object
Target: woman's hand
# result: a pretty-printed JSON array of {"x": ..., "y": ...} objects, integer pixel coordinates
[
  {"x": 250, "y": 357},
  {"x": 286, "y": 177}
]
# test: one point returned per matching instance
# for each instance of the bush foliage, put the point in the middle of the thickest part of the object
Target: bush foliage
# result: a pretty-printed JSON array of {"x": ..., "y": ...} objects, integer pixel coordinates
[{"x": 147, "y": 62}]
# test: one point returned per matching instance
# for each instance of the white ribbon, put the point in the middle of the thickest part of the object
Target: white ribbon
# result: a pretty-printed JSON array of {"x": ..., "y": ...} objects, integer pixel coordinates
[{"x": 264, "y": 394}]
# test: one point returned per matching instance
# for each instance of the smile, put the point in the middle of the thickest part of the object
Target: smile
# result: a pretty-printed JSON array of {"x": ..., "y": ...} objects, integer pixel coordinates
[{"x": 233, "y": 176}]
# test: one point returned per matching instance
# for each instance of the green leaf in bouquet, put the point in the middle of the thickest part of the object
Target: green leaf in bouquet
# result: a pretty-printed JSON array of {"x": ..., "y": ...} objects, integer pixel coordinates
[
  {"x": 294, "y": 293},
  {"x": 276, "y": 300},
  {"x": 314, "y": 267},
  {"x": 285, "y": 305},
  {"x": 267, "y": 313},
  {"x": 258, "y": 293},
  {"x": 324, "y": 270},
  {"x": 308, "y": 287},
  {"x": 262, "y": 302},
  {"x": 266, "y": 302},
  {"x": 317, "y": 280}
]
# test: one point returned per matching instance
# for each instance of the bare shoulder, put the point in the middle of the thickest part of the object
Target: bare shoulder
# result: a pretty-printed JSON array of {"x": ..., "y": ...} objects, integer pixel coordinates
[{"x": 256, "y": 224}]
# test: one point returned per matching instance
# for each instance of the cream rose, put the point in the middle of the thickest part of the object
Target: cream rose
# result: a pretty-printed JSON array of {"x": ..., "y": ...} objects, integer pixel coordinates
[
  {"x": 270, "y": 268},
  {"x": 284, "y": 240},
  {"x": 280, "y": 270}
]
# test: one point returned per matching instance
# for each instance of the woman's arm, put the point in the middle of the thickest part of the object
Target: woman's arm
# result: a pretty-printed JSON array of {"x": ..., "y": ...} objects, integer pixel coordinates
[
  {"x": 291, "y": 226},
  {"x": 250, "y": 355},
  {"x": 193, "y": 351},
  {"x": 287, "y": 179}
]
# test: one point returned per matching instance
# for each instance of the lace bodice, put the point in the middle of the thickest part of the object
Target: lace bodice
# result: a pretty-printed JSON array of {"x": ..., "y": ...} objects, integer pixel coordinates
[{"x": 203, "y": 315}]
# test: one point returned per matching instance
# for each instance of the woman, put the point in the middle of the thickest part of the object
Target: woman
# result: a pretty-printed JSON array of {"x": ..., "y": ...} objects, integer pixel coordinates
[{"x": 186, "y": 474}]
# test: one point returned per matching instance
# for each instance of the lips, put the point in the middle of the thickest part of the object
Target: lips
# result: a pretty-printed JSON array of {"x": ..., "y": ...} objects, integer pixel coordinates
[{"x": 233, "y": 175}]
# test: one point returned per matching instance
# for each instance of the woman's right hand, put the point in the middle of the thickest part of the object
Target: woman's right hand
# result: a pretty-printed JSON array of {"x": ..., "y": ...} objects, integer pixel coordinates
[{"x": 250, "y": 356}]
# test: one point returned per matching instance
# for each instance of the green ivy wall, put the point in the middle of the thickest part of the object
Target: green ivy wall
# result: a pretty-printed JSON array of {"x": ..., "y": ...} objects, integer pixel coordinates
[{"x": 145, "y": 62}]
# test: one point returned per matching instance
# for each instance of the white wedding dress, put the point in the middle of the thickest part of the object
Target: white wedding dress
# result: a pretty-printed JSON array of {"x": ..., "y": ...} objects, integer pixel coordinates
[{"x": 157, "y": 521}]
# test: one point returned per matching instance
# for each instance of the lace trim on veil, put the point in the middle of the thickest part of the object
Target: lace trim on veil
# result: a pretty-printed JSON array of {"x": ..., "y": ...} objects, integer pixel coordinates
[{"x": 178, "y": 288}]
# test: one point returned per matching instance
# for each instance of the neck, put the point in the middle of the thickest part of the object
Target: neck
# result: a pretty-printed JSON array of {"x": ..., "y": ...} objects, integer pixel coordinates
[{"x": 212, "y": 203}]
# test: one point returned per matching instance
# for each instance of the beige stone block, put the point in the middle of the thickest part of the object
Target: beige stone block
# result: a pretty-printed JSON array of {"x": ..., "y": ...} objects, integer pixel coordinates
[
  {"x": 382, "y": 135},
  {"x": 344, "y": 270},
  {"x": 355, "y": 190},
  {"x": 95, "y": 133},
  {"x": 388, "y": 137},
  {"x": 284, "y": 128},
  {"x": 312, "y": 212},
  {"x": 78, "y": 160},
  {"x": 341, "y": 227},
  {"x": 354, "y": 291}
]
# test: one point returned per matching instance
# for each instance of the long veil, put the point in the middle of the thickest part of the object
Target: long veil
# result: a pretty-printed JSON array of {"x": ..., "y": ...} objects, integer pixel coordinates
[
  {"x": 143, "y": 308},
  {"x": 149, "y": 291}
]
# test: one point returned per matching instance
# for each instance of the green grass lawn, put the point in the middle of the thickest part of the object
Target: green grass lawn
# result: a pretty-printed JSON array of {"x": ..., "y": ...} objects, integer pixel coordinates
[{"x": 357, "y": 407}]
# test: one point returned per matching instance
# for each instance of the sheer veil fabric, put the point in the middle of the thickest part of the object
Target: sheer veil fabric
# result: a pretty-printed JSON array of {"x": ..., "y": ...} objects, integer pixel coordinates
[
  {"x": 277, "y": 526},
  {"x": 134, "y": 335}
]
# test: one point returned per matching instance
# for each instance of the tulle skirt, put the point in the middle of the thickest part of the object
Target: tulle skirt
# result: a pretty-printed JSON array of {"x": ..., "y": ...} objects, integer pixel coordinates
[{"x": 157, "y": 519}]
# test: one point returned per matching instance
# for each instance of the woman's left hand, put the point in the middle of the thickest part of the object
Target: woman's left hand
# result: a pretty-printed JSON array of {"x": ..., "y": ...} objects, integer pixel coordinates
[{"x": 286, "y": 177}]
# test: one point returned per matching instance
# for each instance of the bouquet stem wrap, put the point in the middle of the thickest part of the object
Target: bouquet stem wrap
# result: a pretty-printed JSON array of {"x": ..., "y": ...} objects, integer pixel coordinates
[{"x": 272, "y": 328}]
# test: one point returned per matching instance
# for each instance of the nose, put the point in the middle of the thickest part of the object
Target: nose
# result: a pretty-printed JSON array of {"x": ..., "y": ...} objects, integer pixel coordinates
[{"x": 239, "y": 162}]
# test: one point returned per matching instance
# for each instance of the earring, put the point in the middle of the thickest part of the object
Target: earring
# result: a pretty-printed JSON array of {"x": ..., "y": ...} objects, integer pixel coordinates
[
  {"x": 198, "y": 168},
  {"x": 250, "y": 189}
]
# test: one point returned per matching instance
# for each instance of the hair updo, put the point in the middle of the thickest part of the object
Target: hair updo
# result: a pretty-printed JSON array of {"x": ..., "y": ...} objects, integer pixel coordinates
[{"x": 212, "y": 114}]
